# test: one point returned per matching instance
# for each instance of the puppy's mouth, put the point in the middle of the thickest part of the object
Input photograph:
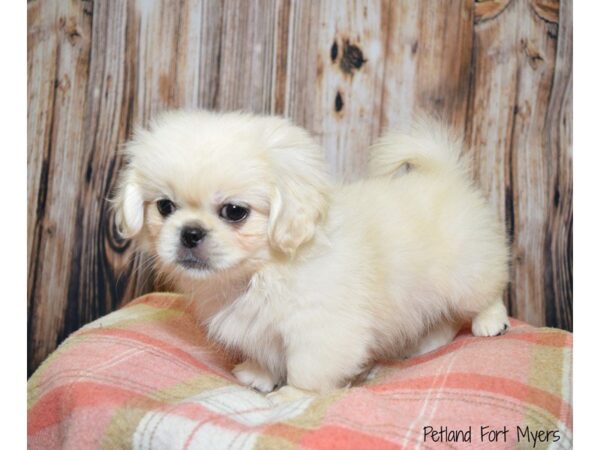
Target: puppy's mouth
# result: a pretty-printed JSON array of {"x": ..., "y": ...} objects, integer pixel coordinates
[{"x": 193, "y": 263}]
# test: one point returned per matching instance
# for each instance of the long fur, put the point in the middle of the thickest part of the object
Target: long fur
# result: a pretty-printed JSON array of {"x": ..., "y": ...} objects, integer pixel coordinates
[{"x": 321, "y": 279}]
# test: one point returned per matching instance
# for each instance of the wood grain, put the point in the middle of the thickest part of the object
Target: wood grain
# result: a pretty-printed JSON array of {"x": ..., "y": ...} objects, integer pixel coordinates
[
  {"x": 57, "y": 217},
  {"x": 514, "y": 69},
  {"x": 499, "y": 71},
  {"x": 428, "y": 61},
  {"x": 558, "y": 138},
  {"x": 335, "y": 70}
]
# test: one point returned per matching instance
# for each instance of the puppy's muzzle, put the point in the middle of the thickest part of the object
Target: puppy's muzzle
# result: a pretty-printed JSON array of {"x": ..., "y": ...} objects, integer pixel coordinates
[{"x": 191, "y": 235}]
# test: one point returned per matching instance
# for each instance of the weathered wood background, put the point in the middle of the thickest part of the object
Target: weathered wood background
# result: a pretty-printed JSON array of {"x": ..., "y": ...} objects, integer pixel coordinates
[{"x": 499, "y": 70}]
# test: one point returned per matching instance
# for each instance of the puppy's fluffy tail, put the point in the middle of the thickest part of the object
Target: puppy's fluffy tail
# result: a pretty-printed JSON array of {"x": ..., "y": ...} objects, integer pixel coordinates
[{"x": 426, "y": 146}]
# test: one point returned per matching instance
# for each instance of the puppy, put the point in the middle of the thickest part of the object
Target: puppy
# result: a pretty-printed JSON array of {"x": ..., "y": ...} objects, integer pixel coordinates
[{"x": 310, "y": 280}]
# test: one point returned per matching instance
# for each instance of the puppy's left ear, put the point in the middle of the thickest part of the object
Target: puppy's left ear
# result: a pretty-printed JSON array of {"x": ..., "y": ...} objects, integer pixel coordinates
[
  {"x": 302, "y": 187},
  {"x": 128, "y": 204}
]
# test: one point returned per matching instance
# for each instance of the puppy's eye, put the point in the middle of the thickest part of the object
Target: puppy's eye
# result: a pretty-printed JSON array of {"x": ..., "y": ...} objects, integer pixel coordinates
[
  {"x": 165, "y": 207},
  {"x": 233, "y": 213}
]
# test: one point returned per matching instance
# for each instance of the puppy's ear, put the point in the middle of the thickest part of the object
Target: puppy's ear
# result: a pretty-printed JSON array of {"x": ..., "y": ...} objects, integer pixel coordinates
[
  {"x": 128, "y": 204},
  {"x": 302, "y": 185}
]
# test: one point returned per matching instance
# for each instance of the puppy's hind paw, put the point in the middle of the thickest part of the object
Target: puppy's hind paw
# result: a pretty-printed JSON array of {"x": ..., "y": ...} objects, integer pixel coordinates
[
  {"x": 251, "y": 374},
  {"x": 491, "y": 322},
  {"x": 488, "y": 328}
]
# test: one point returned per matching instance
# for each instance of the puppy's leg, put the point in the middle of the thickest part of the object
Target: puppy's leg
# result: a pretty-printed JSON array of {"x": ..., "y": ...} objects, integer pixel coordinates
[
  {"x": 253, "y": 375},
  {"x": 439, "y": 336},
  {"x": 324, "y": 363},
  {"x": 492, "y": 321}
]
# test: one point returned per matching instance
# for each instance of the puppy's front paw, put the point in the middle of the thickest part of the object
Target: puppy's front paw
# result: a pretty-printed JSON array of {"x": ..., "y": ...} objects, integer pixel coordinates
[
  {"x": 491, "y": 322},
  {"x": 251, "y": 374},
  {"x": 288, "y": 394}
]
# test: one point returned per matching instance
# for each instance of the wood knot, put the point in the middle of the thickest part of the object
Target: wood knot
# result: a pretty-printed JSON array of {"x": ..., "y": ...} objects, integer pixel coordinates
[
  {"x": 334, "y": 51},
  {"x": 556, "y": 199},
  {"x": 414, "y": 47},
  {"x": 352, "y": 58},
  {"x": 548, "y": 10},
  {"x": 63, "y": 85},
  {"x": 88, "y": 173},
  {"x": 70, "y": 28},
  {"x": 534, "y": 57},
  {"x": 339, "y": 102},
  {"x": 489, "y": 9}
]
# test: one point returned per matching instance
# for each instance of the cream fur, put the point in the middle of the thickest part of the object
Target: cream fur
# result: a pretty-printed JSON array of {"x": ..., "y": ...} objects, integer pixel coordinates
[{"x": 321, "y": 279}]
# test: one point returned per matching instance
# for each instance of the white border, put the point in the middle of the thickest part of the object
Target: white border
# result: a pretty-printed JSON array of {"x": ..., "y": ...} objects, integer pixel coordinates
[
  {"x": 13, "y": 236},
  {"x": 586, "y": 231}
]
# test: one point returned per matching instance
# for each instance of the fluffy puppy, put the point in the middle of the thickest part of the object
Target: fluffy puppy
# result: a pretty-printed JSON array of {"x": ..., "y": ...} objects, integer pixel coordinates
[{"x": 312, "y": 281}]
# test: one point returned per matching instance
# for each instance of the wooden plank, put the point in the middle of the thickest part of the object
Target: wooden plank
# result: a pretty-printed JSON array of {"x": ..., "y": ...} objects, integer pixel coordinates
[
  {"x": 427, "y": 61},
  {"x": 335, "y": 71},
  {"x": 247, "y": 57},
  {"x": 280, "y": 67},
  {"x": 513, "y": 65},
  {"x": 199, "y": 54},
  {"x": 492, "y": 111},
  {"x": 530, "y": 153},
  {"x": 558, "y": 132},
  {"x": 99, "y": 274},
  {"x": 41, "y": 67},
  {"x": 157, "y": 24},
  {"x": 62, "y": 166}
]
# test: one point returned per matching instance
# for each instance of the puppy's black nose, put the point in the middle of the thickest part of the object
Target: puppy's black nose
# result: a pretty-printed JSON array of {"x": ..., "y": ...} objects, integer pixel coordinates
[{"x": 190, "y": 236}]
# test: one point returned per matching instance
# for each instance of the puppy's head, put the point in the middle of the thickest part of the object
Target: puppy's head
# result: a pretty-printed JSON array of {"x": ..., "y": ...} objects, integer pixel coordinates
[{"x": 209, "y": 192}]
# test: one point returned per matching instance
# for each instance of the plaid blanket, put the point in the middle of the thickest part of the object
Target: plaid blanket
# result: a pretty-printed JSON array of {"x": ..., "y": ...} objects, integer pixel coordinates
[{"x": 145, "y": 377}]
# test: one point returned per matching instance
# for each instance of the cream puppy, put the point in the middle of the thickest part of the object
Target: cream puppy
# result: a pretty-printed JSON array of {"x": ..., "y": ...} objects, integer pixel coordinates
[{"x": 310, "y": 280}]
